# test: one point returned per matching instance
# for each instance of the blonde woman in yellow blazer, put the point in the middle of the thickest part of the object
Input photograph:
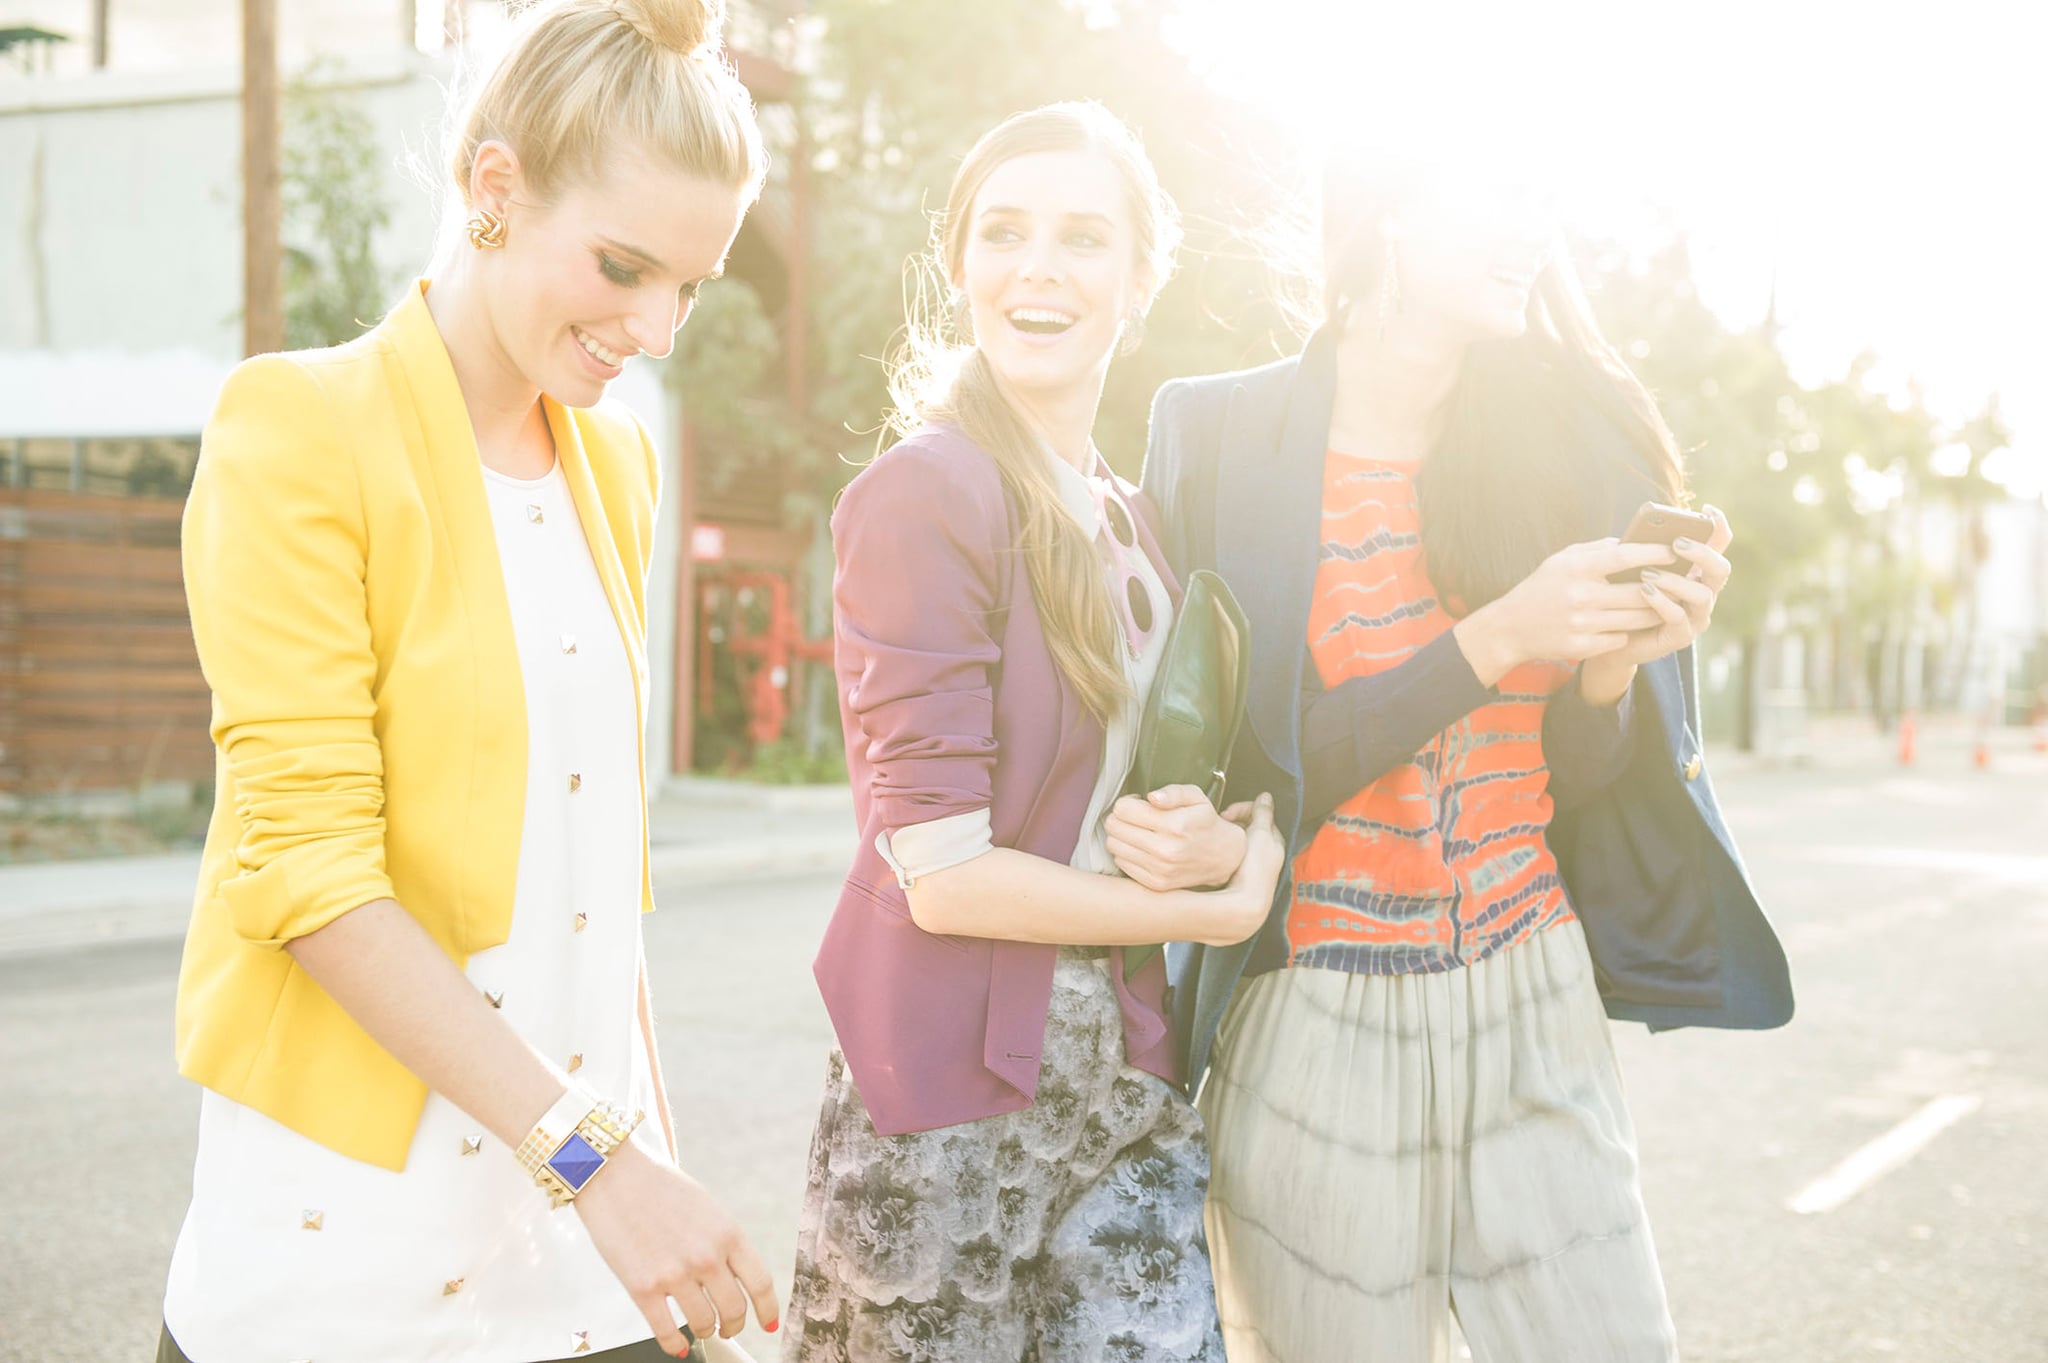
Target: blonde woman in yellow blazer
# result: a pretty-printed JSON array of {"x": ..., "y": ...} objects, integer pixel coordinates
[{"x": 357, "y": 577}]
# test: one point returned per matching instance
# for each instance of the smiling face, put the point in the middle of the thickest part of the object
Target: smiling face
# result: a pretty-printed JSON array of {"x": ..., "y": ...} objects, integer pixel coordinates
[
  {"x": 1468, "y": 253},
  {"x": 1049, "y": 266},
  {"x": 606, "y": 270}
]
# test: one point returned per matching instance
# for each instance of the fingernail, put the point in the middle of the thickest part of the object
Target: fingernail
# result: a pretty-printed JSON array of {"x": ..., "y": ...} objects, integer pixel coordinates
[
  {"x": 1649, "y": 587},
  {"x": 772, "y": 1326},
  {"x": 1683, "y": 543},
  {"x": 1649, "y": 573}
]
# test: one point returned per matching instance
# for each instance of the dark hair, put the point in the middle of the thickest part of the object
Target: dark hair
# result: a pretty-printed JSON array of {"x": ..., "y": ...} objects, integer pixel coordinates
[{"x": 1542, "y": 435}]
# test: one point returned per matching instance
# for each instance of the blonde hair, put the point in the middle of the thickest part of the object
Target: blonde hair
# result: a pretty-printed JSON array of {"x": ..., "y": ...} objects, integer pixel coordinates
[
  {"x": 586, "y": 79},
  {"x": 940, "y": 375}
]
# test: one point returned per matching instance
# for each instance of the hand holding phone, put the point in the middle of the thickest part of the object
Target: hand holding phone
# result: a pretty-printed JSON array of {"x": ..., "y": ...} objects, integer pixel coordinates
[{"x": 1657, "y": 523}]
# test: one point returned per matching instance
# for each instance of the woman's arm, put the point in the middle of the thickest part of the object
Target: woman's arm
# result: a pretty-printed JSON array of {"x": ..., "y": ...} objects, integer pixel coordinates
[
  {"x": 380, "y": 965},
  {"x": 1362, "y": 728},
  {"x": 659, "y": 1230},
  {"x": 1366, "y": 726},
  {"x": 925, "y": 571},
  {"x": 1017, "y": 897}
]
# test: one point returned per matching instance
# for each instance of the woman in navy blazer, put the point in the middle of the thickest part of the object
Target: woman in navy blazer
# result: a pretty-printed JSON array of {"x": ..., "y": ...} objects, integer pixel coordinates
[{"x": 1485, "y": 757}]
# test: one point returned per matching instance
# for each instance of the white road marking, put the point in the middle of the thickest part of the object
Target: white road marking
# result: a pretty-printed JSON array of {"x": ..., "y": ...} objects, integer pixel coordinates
[{"x": 1884, "y": 1154}]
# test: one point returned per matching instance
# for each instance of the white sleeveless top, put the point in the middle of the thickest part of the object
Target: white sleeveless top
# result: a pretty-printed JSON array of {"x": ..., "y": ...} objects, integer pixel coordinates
[{"x": 293, "y": 1252}]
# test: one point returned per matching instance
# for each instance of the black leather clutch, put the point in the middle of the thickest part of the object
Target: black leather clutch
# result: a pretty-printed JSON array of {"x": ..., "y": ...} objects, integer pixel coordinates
[{"x": 1196, "y": 705}]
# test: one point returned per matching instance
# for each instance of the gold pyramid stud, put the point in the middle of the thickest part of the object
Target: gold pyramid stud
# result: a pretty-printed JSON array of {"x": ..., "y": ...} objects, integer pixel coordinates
[
  {"x": 472, "y": 1144},
  {"x": 568, "y": 643},
  {"x": 575, "y": 781},
  {"x": 311, "y": 1219},
  {"x": 575, "y": 1062},
  {"x": 451, "y": 1287},
  {"x": 533, "y": 516},
  {"x": 582, "y": 1338},
  {"x": 582, "y": 921},
  {"x": 496, "y": 997}
]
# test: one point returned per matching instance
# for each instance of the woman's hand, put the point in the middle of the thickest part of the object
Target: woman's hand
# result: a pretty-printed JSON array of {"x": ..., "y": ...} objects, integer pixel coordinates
[
  {"x": 665, "y": 1237},
  {"x": 1566, "y": 610},
  {"x": 1173, "y": 839},
  {"x": 1684, "y": 606},
  {"x": 1236, "y": 911}
]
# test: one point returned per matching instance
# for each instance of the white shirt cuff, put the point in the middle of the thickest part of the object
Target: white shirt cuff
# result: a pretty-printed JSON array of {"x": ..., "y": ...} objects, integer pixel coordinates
[{"x": 923, "y": 849}]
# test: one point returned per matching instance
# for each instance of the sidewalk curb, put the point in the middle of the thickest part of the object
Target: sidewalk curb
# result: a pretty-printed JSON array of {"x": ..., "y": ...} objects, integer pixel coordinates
[{"x": 129, "y": 915}]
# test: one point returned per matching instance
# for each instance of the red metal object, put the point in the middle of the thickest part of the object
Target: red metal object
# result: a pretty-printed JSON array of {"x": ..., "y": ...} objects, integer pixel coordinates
[{"x": 764, "y": 657}]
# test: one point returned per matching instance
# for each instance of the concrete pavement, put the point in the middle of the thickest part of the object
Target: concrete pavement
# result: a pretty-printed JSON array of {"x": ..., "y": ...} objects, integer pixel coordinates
[{"x": 1914, "y": 902}]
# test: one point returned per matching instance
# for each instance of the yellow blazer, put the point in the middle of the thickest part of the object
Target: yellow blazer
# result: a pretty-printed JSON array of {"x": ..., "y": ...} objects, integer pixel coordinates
[{"x": 350, "y": 613}]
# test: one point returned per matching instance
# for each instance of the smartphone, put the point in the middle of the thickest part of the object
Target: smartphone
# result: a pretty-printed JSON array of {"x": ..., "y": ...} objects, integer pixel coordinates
[{"x": 1656, "y": 523}]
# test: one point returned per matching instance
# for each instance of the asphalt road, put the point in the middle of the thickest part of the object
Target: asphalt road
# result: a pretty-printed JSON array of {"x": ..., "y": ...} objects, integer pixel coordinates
[{"x": 1916, "y": 908}]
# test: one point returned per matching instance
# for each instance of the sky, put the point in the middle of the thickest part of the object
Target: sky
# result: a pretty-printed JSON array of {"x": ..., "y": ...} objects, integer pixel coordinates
[{"x": 1885, "y": 163}]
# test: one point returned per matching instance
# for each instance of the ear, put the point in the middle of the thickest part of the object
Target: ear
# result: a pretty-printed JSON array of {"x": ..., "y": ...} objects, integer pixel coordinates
[
  {"x": 1145, "y": 285},
  {"x": 494, "y": 177}
]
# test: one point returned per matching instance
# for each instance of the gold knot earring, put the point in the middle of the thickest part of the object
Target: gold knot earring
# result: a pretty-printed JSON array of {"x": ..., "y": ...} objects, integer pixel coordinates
[{"x": 486, "y": 230}]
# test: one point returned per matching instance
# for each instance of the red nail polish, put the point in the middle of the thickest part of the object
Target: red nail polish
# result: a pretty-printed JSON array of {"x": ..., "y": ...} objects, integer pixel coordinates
[{"x": 772, "y": 1326}]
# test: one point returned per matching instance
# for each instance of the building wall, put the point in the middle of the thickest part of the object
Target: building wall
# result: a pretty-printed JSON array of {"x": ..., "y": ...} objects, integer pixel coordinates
[
  {"x": 121, "y": 256},
  {"x": 177, "y": 35},
  {"x": 126, "y": 189}
]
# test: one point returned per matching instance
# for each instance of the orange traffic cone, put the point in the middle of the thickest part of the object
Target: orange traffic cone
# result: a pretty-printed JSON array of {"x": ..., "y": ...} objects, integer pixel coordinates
[
  {"x": 1980, "y": 756},
  {"x": 1908, "y": 736}
]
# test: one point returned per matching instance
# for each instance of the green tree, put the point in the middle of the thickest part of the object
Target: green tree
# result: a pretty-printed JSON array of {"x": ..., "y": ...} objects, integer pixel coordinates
[
  {"x": 333, "y": 209},
  {"x": 1812, "y": 478},
  {"x": 883, "y": 137}
]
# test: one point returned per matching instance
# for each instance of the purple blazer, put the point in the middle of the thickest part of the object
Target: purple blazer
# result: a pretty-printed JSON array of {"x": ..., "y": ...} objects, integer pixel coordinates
[{"x": 951, "y": 703}]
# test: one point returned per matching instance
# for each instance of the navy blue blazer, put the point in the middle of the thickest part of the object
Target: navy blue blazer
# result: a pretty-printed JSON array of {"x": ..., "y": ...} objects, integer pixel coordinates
[{"x": 1235, "y": 466}]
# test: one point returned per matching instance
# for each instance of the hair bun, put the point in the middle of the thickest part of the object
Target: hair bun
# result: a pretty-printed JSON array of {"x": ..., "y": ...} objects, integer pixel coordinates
[{"x": 685, "y": 26}]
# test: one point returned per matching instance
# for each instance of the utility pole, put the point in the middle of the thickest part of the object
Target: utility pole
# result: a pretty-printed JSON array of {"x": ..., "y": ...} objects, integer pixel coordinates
[
  {"x": 99, "y": 35},
  {"x": 262, "y": 197}
]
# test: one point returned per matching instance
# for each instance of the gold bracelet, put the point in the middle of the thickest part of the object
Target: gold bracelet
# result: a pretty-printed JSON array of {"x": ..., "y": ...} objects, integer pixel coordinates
[
  {"x": 606, "y": 1128},
  {"x": 571, "y": 1143}
]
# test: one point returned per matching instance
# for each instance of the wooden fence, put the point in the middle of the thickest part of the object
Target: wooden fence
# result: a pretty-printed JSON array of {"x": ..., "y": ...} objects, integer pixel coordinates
[{"x": 99, "y": 683}]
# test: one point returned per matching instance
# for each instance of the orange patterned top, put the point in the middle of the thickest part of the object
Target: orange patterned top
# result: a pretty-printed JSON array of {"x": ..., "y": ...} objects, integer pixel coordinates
[{"x": 1443, "y": 860}]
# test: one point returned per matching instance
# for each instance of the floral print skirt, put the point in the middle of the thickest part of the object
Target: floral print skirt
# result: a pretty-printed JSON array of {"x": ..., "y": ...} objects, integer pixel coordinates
[{"x": 1069, "y": 1232}]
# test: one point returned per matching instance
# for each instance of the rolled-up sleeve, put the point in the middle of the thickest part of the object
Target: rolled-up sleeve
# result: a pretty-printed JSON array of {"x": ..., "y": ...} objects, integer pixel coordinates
[
  {"x": 918, "y": 592},
  {"x": 275, "y": 554}
]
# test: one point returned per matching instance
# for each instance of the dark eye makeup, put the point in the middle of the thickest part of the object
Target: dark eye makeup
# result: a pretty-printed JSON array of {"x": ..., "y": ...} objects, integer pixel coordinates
[{"x": 615, "y": 272}]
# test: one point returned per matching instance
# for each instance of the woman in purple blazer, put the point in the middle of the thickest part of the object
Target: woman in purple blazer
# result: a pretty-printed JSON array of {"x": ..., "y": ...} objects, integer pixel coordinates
[{"x": 1006, "y": 1165}]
